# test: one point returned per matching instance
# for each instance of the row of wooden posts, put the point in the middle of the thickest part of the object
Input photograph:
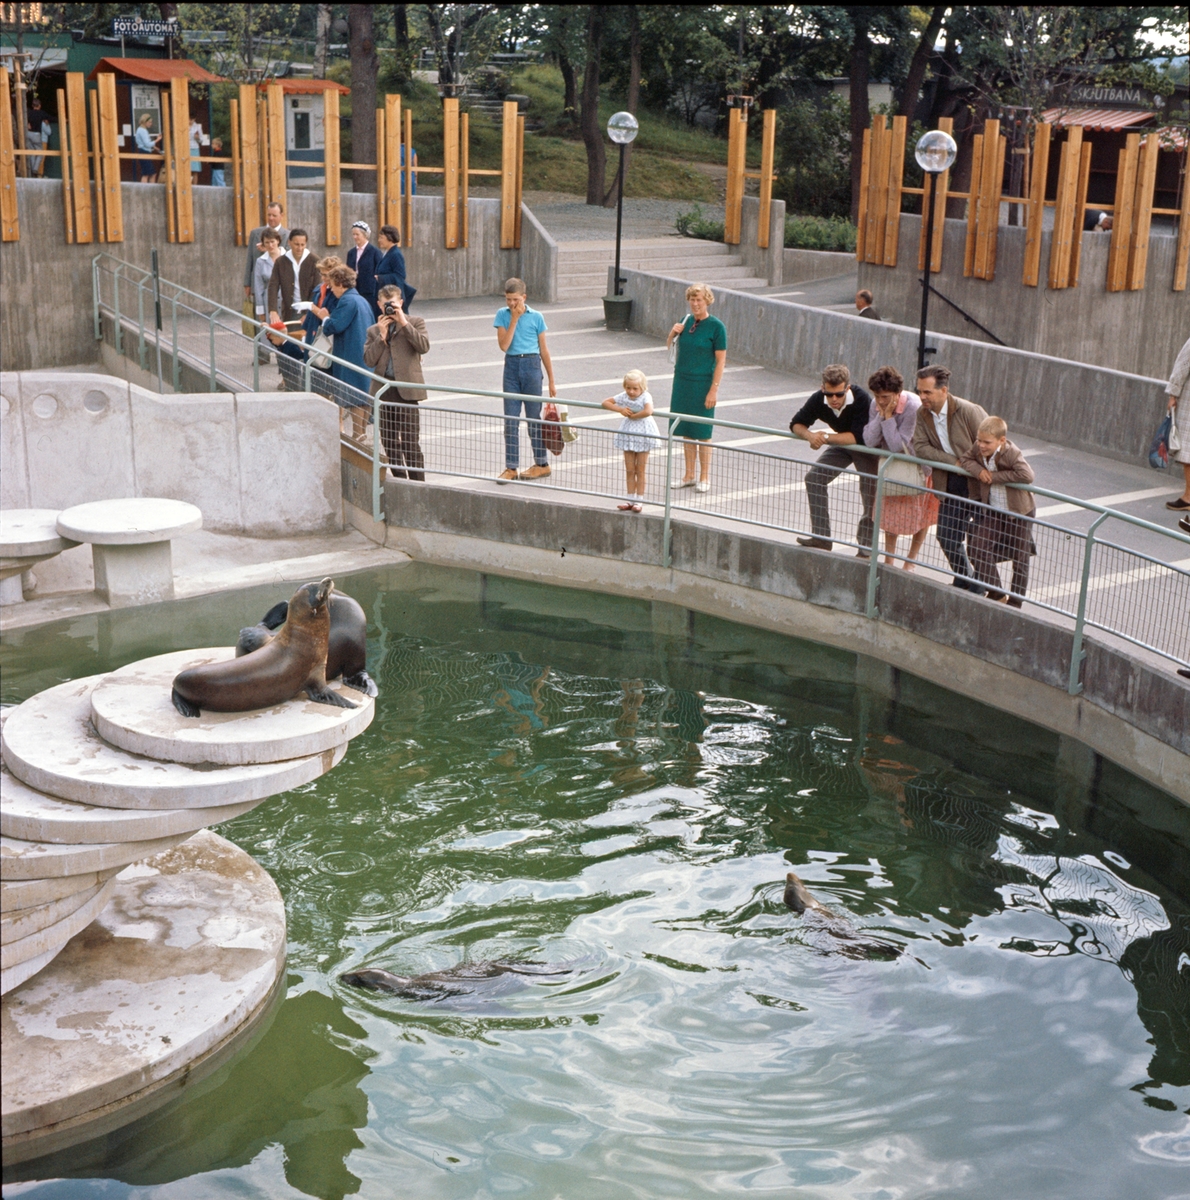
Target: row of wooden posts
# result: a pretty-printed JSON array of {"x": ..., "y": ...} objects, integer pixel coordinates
[
  {"x": 258, "y": 164},
  {"x": 1132, "y": 212}
]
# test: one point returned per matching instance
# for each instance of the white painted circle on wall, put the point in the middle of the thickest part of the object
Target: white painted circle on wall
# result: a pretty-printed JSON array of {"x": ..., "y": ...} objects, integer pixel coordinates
[
  {"x": 45, "y": 406},
  {"x": 95, "y": 401}
]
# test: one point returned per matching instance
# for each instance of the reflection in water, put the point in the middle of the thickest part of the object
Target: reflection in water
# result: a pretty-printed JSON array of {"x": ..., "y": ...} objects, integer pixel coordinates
[{"x": 540, "y": 786}]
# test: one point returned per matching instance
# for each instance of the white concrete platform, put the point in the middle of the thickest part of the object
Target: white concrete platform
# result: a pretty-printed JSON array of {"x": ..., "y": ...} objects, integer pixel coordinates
[
  {"x": 16, "y": 895},
  {"x": 32, "y": 816},
  {"x": 177, "y": 969},
  {"x": 22, "y": 861},
  {"x": 51, "y": 745},
  {"x": 24, "y": 921},
  {"x": 131, "y": 709},
  {"x": 130, "y": 544},
  {"x": 28, "y": 536},
  {"x": 50, "y": 939}
]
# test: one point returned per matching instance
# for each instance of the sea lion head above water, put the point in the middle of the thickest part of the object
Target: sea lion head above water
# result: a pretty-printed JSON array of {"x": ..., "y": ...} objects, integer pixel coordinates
[
  {"x": 798, "y": 898},
  {"x": 294, "y": 660}
]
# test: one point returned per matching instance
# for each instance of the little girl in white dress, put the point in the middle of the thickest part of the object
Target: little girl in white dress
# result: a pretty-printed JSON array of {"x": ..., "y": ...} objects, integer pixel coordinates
[{"x": 637, "y": 435}]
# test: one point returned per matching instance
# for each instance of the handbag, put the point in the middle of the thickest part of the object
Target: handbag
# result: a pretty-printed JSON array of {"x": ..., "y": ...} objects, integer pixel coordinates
[
  {"x": 903, "y": 478},
  {"x": 320, "y": 353},
  {"x": 551, "y": 429},
  {"x": 673, "y": 346},
  {"x": 569, "y": 433},
  {"x": 1162, "y": 443},
  {"x": 248, "y": 327}
]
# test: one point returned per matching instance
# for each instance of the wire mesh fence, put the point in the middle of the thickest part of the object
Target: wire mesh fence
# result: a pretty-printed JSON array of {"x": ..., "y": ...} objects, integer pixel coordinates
[{"x": 839, "y": 502}]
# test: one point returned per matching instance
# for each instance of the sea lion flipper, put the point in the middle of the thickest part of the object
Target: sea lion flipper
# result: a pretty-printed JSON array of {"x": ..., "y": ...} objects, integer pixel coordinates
[
  {"x": 324, "y": 695},
  {"x": 183, "y": 705},
  {"x": 276, "y": 616},
  {"x": 252, "y": 637},
  {"x": 362, "y": 682}
]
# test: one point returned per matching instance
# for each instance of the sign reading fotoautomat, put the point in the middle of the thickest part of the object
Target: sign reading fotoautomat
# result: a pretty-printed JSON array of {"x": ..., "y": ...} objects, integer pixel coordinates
[
  {"x": 136, "y": 27},
  {"x": 1135, "y": 98}
]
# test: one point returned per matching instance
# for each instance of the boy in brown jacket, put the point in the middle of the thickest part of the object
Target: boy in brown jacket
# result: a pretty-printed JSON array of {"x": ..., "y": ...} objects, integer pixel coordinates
[{"x": 1001, "y": 531}]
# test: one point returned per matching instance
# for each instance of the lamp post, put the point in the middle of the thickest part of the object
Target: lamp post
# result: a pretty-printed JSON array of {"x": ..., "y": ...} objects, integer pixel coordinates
[
  {"x": 935, "y": 152},
  {"x": 622, "y": 128}
]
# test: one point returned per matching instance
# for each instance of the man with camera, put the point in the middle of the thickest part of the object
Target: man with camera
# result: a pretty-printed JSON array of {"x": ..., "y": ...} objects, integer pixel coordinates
[{"x": 393, "y": 349}]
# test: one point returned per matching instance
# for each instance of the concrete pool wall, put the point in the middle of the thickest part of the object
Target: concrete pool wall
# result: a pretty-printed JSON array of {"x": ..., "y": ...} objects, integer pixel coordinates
[{"x": 1133, "y": 710}]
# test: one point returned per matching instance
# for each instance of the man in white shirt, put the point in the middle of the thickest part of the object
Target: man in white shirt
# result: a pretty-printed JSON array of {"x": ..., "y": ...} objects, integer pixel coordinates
[{"x": 295, "y": 275}]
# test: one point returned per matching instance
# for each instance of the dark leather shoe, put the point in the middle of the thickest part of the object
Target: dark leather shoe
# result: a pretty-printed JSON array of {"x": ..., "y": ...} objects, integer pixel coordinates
[{"x": 816, "y": 543}]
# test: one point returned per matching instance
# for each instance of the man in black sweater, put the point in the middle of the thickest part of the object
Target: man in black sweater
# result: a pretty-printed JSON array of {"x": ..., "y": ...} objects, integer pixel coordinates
[{"x": 845, "y": 409}]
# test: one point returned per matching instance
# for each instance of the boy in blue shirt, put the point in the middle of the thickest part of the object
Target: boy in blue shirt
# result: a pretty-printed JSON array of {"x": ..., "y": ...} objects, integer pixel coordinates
[{"x": 520, "y": 332}]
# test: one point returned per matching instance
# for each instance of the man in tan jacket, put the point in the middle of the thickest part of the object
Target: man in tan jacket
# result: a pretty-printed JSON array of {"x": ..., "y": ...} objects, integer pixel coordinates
[
  {"x": 1001, "y": 531},
  {"x": 393, "y": 349},
  {"x": 946, "y": 429}
]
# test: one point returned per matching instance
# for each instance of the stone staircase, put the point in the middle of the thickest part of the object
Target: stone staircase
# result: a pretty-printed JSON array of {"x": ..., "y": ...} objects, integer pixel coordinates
[{"x": 583, "y": 266}]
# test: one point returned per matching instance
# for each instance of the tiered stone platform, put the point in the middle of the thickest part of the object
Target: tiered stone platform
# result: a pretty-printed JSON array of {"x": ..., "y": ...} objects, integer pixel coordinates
[{"x": 136, "y": 945}]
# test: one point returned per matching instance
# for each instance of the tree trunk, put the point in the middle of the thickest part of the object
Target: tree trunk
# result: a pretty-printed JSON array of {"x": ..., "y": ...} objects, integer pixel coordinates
[
  {"x": 404, "y": 63},
  {"x": 919, "y": 62},
  {"x": 362, "y": 49},
  {"x": 633, "y": 94},
  {"x": 322, "y": 39},
  {"x": 570, "y": 101},
  {"x": 859, "y": 102},
  {"x": 438, "y": 40},
  {"x": 592, "y": 134}
]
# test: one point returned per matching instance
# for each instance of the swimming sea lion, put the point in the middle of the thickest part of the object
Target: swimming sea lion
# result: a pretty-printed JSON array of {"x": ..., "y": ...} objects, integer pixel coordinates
[
  {"x": 294, "y": 660},
  {"x": 438, "y": 985},
  {"x": 832, "y": 933},
  {"x": 347, "y": 645}
]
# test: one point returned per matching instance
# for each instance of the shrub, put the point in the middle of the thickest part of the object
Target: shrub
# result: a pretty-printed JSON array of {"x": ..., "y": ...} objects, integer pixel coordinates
[
  {"x": 693, "y": 224},
  {"x": 814, "y": 141},
  {"x": 820, "y": 233}
]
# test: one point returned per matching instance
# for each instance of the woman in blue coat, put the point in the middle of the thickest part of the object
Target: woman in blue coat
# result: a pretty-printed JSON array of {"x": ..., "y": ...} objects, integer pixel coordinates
[
  {"x": 391, "y": 271},
  {"x": 364, "y": 259},
  {"x": 348, "y": 326}
]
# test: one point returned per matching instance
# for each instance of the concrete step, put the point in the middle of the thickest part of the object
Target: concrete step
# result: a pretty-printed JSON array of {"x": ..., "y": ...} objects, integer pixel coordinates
[
  {"x": 682, "y": 252},
  {"x": 671, "y": 270},
  {"x": 575, "y": 291}
]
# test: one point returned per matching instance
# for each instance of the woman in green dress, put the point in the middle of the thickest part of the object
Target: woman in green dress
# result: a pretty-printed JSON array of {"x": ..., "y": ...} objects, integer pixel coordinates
[{"x": 702, "y": 355}]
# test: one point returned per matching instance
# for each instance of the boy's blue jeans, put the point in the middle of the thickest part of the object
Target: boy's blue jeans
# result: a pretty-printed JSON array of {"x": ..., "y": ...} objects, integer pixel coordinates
[{"x": 522, "y": 373}]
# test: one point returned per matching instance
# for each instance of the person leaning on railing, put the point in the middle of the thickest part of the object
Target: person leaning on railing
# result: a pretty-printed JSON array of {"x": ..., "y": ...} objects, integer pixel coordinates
[
  {"x": 844, "y": 407},
  {"x": 947, "y": 427},
  {"x": 394, "y": 348},
  {"x": 1001, "y": 532}
]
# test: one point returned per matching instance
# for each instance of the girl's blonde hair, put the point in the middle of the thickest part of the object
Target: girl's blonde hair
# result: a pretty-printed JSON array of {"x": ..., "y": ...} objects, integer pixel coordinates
[
  {"x": 637, "y": 377},
  {"x": 701, "y": 289},
  {"x": 328, "y": 264}
]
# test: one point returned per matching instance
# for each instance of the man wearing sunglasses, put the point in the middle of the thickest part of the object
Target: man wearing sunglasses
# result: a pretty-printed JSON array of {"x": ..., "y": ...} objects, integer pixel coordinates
[{"x": 843, "y": 407}]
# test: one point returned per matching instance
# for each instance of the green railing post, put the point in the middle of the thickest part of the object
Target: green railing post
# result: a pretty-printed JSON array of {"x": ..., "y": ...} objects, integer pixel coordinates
[
  {"x": 211, "y": 320},
  {"x": 140, "y": 320},
  {"x": 870, "y": 608},
  {"x": 667, "y": 531},
  {"x": 95, "y": 295},
  {"x": 116, "y": 308},
  {"x": 177, "y": 366},
  {"x": 377, "y": 515},
  {"x": 1077, "y": 653}
]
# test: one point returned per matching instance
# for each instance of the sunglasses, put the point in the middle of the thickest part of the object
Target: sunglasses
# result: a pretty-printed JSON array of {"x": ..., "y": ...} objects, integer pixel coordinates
[{"x": 835, "y": 394}]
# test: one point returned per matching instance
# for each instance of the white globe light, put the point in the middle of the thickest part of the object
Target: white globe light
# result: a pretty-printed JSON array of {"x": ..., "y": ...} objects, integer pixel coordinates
[
  {"x": 622, "y": 128},
  {"x": 935, "y": 152}
]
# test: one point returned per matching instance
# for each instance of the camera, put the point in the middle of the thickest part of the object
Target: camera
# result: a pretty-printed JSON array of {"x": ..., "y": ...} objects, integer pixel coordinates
[{"x": 390, "y": 309}]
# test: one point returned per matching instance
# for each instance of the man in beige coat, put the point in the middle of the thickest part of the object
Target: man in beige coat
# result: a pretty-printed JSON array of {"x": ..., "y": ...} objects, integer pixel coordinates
[
  {"x": 393, "y": 348},
  {"x": 946, "y": 429}
]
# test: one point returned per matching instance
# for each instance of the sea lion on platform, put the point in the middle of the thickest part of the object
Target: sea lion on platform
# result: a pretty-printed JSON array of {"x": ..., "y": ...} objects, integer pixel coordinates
[
  {"x": 455, "y": 981},
  {"x": 293, "y": 661},
  {"x": 830, "y": 933},
  {"x": 347, "y": 645}
]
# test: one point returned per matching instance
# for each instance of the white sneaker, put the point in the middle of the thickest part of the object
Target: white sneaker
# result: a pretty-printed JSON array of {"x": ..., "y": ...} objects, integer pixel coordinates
[{"x": 703, "y": 485}]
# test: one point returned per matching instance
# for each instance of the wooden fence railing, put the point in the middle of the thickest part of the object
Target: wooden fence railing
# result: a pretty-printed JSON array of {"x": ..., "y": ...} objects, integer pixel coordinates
[
  {"x": 91, "y": 157},
  {"x": 882, "y": 190}
]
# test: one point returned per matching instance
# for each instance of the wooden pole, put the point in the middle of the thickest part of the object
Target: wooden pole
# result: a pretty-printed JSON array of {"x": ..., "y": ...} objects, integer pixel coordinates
[
  {"x": 737, "y": 146},
  {"x": 80, "y": 176},
  {"x": 1183, "y": 252},
  {"x": 973, "y": 204},
  {"x": 97, "y": 168},
  {"x": 64, "y": 143},
  {"x": 180, "y": 108},
  {"x": 237, "y": 178},
  {"x": 464, "y": 172},
  {"x": 861, "y": 219},
  {"x": 109, "y": 130},
  {"x": 1142, "y": 210},
  {"x": 450, "y": 170},
  {"x": 167, "y": 168},
  {"x": 877, "y": 191},
  {"x": 10, "y": 226},
  {"x": 392, "y": 160},
  {"x": 1039, "y": 164},
  {"x": 520, "y": 176},
  {"x": 278, "y": 175},
  {"x": 896, "y": 176},
  {"x": 987, "y": 217},
  {"x": 768, "y": 142},
  {"x": 1121, "y": 226},
  {"x": 249, "y": 160},
  {"x": 508, "y": 177},
  {"x": 946, "y": 124},
  {"x": 332, "y": 159},
  {"x": 407, "y": 220},
  {"x": 1080, "y": 209},
  {"x": 1068, "y": 165},
  {"x": 262, "y": 134}
]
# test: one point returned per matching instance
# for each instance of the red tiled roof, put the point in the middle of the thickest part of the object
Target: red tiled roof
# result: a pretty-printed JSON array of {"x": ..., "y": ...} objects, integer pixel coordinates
[
  {"x": 156, "y": 70},
  {"x": 1096, "y": 118},
  {"x": 306, "y": 87}
]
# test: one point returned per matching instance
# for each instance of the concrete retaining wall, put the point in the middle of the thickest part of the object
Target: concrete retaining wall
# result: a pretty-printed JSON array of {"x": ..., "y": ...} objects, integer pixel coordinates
[
  {"x": 1139, "y": 331},
  {"x": 1131, "y": 713},
  {"x": 802, "y": 266},
  {"x": 765, "y": 264},
  {"x": 1084, "y": 407},
  {"x": 47, "y": 313},
  {"x": 260, "y": 464},
  {"x": 539, "y": 259}
]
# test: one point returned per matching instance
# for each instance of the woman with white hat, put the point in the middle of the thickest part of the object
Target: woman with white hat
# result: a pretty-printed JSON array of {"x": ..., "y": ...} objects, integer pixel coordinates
[{"x": 364, "y": 259}]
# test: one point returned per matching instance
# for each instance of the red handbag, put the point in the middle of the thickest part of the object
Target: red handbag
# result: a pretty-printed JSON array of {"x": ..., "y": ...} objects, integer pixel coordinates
[{"x": 551, "y": 429}]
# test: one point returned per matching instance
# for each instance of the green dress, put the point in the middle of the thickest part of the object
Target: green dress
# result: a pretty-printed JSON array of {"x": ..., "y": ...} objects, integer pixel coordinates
[{"x": 694, "y": 373}]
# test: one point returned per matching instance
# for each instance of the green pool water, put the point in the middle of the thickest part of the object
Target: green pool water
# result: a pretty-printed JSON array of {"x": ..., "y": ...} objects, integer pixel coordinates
[{"x": 618, "y": 787}]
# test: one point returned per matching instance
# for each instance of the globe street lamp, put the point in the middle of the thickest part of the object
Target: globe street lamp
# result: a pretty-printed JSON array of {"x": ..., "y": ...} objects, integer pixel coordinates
[
  {"x": 935, "y": 152},
  {"x": 622, "y": 128}
]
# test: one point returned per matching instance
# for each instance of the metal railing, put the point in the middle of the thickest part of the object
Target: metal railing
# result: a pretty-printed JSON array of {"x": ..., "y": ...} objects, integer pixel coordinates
[{"x": 1083, "y": 577}]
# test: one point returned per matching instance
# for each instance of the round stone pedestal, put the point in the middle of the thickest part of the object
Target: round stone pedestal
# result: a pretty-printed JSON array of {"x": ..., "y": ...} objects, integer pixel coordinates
[
  {"x": 28, "y": 536},
  {"x": 172, "y": 975}
]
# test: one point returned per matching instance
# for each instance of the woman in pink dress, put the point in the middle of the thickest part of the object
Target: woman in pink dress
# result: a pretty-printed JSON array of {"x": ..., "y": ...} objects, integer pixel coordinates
[{"x": 890, "y": 427}]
